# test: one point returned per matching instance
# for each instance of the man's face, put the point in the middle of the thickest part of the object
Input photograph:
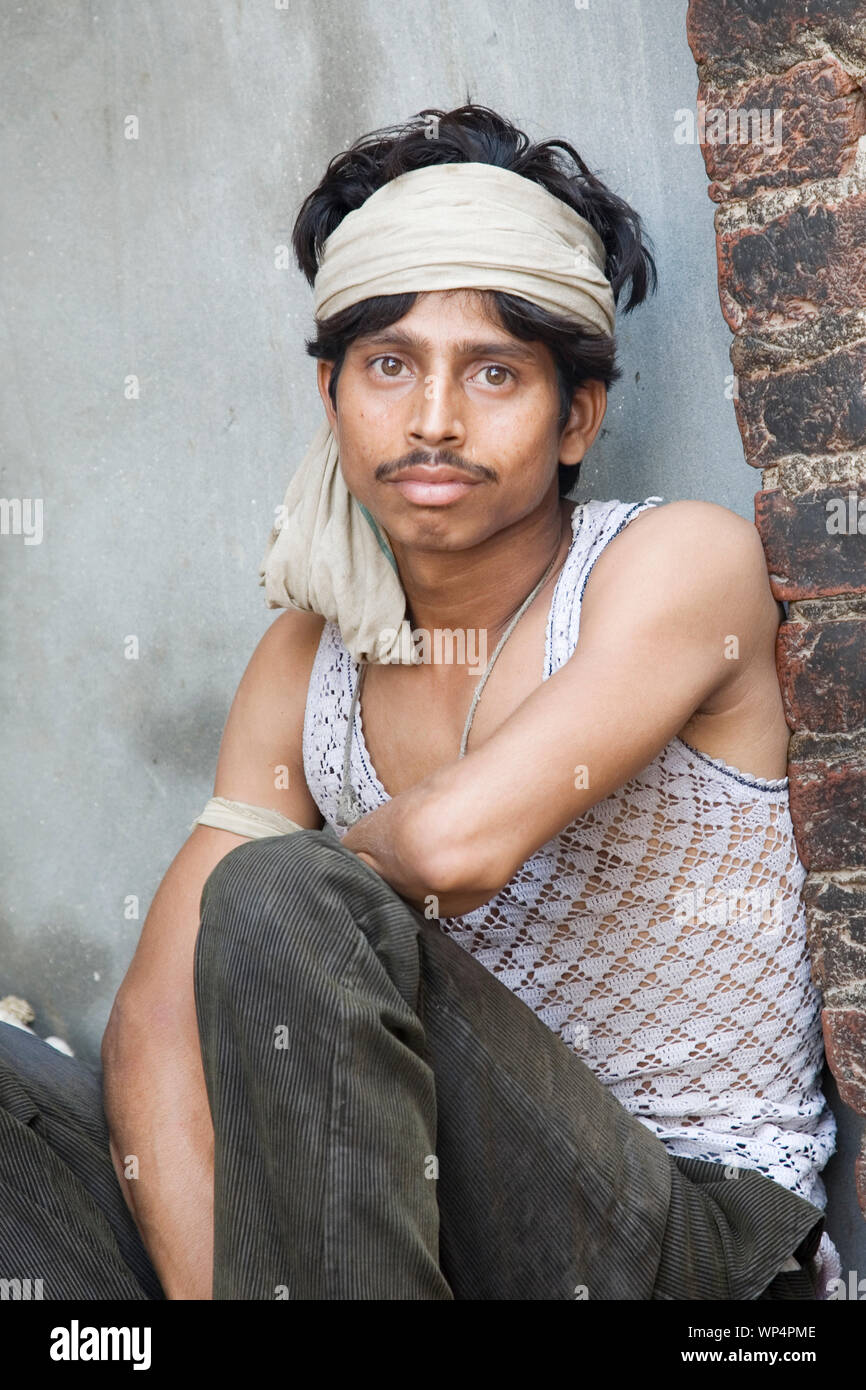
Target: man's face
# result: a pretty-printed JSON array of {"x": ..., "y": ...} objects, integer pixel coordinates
[{"x": 447, "y": 388}]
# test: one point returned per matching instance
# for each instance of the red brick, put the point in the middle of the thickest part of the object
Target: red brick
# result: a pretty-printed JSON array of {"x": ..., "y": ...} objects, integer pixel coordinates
[
  {"x": 821, "y": 666},
  {"x": 737, "y": 37},
  {"x": 828, "y": 806},
  {"x": 804, "y": 559},
  {"x": 845, "y": 1046},
  {"x": 805, "y": 126},
  {"x": 836, "y": 921},
  {"x": 816, "y": 407},
  {"x": 807, "y": 262}
]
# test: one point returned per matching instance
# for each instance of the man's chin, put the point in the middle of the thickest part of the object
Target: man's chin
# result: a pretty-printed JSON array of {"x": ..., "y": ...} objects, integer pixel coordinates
[{"x": 428, "y": 528}]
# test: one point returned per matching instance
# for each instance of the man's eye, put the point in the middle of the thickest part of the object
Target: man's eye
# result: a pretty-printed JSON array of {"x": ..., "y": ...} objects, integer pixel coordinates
[
  {"x": 387, "y": 363},
  {"x": 504, "y": 373}
]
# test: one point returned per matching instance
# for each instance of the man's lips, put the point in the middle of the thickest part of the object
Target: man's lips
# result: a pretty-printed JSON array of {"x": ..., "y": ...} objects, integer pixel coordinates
[{"x": 432, "y": 486}]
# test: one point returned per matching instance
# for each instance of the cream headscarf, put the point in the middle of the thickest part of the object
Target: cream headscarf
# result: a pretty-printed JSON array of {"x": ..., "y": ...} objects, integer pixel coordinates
[{"x": 447, "y": 226}]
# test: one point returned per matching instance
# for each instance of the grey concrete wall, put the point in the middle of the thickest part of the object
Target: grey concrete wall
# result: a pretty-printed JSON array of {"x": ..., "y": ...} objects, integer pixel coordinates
[{"x": 154, "y": 258}]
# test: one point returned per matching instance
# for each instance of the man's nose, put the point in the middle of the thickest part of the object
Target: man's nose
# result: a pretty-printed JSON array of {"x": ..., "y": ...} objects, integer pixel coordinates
[{"x": 437, "y": 417}]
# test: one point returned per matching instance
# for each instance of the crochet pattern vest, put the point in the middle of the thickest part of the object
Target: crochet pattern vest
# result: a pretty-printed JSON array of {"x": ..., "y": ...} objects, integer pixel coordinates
[{"x": 662, "y": 934}]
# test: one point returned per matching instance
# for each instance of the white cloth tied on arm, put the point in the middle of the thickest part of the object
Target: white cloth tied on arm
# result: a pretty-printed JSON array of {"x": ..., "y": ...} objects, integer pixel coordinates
[
  {"x": 257, "y": 822},
  {"x": 446, "y": 226}
]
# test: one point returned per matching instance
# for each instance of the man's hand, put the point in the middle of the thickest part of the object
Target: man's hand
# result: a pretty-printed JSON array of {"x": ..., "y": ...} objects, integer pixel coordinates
[
  {"x": 393, "y": 846},
  {"x": 662, "y": 602}
]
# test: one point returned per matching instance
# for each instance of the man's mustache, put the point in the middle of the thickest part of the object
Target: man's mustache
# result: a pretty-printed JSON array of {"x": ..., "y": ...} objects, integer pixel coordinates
[{"x": 441, "y": 458}]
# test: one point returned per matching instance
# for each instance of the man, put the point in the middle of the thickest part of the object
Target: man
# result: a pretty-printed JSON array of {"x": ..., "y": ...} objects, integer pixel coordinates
[{"x": 313, "y": 1091}]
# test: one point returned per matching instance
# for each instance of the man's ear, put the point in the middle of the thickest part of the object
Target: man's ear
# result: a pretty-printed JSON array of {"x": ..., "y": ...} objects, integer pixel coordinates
[
  {"x": 323, "y": 377},
  {"x": 588, "y": 407}
]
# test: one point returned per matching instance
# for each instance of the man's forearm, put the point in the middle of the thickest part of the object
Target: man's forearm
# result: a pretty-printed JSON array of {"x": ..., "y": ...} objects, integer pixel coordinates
[
  {"x": 408, "y": 841},
  {"x": 162, "y": 1149}
]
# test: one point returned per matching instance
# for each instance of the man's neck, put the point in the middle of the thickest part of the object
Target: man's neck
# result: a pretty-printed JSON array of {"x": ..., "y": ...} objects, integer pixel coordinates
[{"x": 482, "y": 588}]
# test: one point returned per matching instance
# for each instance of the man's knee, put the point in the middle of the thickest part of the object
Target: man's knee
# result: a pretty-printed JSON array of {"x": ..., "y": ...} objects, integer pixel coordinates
[
  {"x": 288, "y": 884},
  {"x": 307, "y": 863},
  {"x": 295, "y": 902},
  {"x": 255, "y": 865},
  {"x": 257, "y": 881}
]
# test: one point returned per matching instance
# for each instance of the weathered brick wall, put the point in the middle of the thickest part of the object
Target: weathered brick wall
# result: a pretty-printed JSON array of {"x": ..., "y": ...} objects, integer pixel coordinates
[{"x": 790, "y": 185}]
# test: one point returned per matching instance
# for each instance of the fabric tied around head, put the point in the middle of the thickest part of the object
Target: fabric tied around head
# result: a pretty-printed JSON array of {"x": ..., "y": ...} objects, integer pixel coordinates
[{"x": 446, "y": 226}]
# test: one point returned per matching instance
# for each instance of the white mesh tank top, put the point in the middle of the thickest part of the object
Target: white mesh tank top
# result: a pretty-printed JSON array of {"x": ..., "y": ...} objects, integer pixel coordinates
[{"x": 661, "y": 934}]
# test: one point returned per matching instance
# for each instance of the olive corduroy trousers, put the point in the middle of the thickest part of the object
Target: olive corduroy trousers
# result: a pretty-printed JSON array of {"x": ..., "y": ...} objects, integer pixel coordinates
[{"x": 391, "y": 1122}]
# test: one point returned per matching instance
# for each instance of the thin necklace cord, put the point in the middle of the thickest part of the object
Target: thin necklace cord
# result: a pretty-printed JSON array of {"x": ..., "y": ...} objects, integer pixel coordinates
[{"x": 348, "y": 810}]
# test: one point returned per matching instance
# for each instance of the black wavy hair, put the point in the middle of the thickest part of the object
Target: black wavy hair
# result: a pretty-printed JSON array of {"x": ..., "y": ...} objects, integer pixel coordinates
[{"x": 478, "y": 134}]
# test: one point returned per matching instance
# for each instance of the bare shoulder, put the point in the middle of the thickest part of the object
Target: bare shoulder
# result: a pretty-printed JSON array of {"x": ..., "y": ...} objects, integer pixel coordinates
[
  {"x": 693, "y": 556},
  {"x": 293, "y": 638},
  {"x": 264, "y": 729},
  {"x": 713, "y": 535},
  {"x": 278, "y": 672}
]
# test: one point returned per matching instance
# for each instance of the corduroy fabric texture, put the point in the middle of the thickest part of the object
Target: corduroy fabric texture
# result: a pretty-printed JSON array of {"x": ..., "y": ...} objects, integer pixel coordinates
[
  {"x": 62, "y": 1215},
  {"x": 391, "y": 1122}
]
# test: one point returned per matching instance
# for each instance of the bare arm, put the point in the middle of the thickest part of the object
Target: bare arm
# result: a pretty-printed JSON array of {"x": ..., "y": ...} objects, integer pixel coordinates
[
  {"x": 659, "y": 605},
  {"x": 154, "y": 1088}
]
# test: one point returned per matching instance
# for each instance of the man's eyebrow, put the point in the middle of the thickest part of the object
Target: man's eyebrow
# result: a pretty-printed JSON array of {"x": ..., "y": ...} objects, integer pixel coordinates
[{"x": 398, "y": 337}]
